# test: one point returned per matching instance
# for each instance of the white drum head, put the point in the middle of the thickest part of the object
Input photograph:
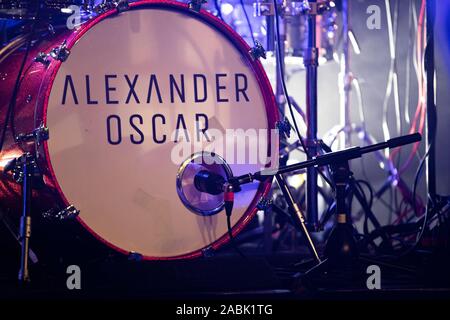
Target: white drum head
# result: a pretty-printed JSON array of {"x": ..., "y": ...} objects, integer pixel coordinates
[{"x": 111, "y": 149}]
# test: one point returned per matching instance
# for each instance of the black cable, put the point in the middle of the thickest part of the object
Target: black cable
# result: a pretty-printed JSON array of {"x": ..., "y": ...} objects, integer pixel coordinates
[
  {"x": 248, "y": 21},
  {"x": 232, "y": 239},
  {"x": 229, "y": 202},
  {"x": 416, "y": 182},
  {"x": 12, "y": 102},
  {"x": 218, "y": 9},
  {"x": 371, "y": 193},
  {"x": 425, "y": 216},
  {"x": 230, "y": 233},
  {"x": 282, "y": 76}
]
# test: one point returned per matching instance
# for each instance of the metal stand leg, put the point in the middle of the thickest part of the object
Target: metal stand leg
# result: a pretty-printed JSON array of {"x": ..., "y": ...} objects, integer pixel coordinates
[
  {"x": 345, "y": 81},
  {"x": 13, "y": 229},
  {"x": 311, "y": 64},
  {"x": 431, "y": 124},
  {"x": 26, "y": 162},
  {"x": 297, "y": 215}
]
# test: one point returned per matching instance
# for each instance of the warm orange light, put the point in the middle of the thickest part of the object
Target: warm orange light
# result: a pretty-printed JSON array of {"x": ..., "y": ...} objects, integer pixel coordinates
[{"x": 7, "y": 156}]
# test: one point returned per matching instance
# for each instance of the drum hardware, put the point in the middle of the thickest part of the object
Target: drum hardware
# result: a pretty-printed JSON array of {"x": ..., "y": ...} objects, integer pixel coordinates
[
  {"x": 15, "y": 166},
  {"x": 68, "y": 213},
  {"x": 284, "y": 127},
  {"x": 24, "y": 169},
  {"x": 106, "y": 5},
  {"x": 293, "y": 13},
  {"x": 208, "y": 252},
  {"x": 294, "y": 8},
  {"x": 60, "y": 53},
  {"x": 257, "y": 51},
  {"x": 39, "y": 135},
  {"x": 311, "y": 64},
  {"x": 264, "y": 203},
  {"x": 345, "y": 77},
  {"x": 31, "y": 10},
  {"x": 42, "y": 58},
  {"x": 122, "y": 5},
  {"x": 263, "y": 8},
  {"x": 308, "y": 7},
  {"x": 196, "y": 5},
  {"x": 134, "y": 256}
]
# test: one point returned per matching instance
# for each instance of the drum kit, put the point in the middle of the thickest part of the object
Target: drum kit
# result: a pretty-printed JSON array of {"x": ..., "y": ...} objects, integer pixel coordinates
[{"x": 93, "y": 119}]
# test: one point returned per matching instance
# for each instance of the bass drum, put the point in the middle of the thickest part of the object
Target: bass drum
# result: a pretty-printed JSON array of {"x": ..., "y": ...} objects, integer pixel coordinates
[{"x": 131, "y": 92}]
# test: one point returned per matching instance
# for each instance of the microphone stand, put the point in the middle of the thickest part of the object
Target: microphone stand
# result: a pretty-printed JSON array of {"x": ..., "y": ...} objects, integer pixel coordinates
[
  {"x": 311, "y": 62},
  {"x": 431, "y": 123},
  {"x": 341, "y": 246}
]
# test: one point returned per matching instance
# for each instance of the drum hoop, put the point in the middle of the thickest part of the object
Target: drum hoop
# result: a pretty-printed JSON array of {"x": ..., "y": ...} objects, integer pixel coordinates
[{"x": 264, "y": 86}]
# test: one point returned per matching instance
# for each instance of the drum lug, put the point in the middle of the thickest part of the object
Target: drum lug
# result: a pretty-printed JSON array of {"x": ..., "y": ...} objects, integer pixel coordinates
[
  {"x": 284, "y": 127},
  {"x": 196, "y": 5},
  {"x": 16, "y": 167},
  {"x": 42, "y": 57},
  {"x": 264, "y": 203},
  {"x": 264, "y": 9},
  {"x": 120, "y": 6},
  {"x": 103, "y": 7},
  {"x": 208, "y": 252},
  {"x": 60, "y": 53},
  {"x": 68, "y": 213},
  {"x": 257, "y": 51},
  {"x": 38, "y": 135},
  {"x": 134, "y": 256}
]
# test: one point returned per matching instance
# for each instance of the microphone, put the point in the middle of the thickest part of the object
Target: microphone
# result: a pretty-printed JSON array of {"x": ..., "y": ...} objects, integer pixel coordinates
[
  {"x": 403, "y": 140},
  {"x": 209, "y": 182}
]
